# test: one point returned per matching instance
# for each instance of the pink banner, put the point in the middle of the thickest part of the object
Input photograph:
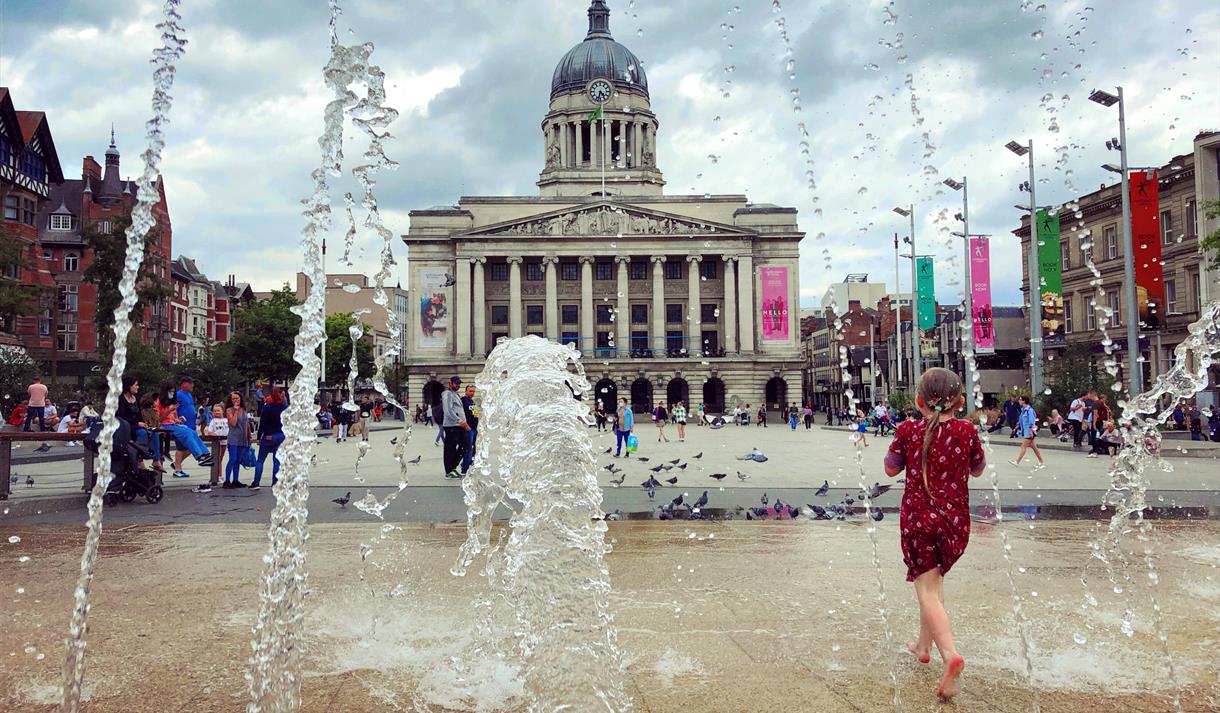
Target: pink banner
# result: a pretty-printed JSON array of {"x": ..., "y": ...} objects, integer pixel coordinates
[
  {"x": 774, "y": 316},
  {"x": 980, "y": 294}
]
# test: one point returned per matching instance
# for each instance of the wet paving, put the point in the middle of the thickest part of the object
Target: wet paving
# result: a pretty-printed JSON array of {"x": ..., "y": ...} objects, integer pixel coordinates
[{"x": 712, "y": 616}]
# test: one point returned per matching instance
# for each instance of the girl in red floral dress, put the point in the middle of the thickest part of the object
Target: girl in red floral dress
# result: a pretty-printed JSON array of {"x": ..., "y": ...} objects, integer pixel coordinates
[{"x": 940, "y": 453}]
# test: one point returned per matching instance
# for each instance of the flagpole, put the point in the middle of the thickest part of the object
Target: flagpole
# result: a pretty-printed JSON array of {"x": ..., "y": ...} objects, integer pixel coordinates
[{"x": 605, "y": 152}]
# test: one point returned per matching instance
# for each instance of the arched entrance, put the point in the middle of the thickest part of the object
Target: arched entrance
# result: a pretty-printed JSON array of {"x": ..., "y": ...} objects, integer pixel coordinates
[
  {"x": 713, "y": 395},
  {"x": 641, "y": 396},
  {"x": 605, "y": 393},
  {"x": 432, "y": 393},
  {"x": 776, "y": 393},
  {"x": 678, "y": 390}
]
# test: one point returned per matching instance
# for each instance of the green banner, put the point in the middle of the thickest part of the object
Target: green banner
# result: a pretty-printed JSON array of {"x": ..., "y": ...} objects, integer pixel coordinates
[
  {"x": 1050, "y": 277},
  {"x": 925, "y": 299}
]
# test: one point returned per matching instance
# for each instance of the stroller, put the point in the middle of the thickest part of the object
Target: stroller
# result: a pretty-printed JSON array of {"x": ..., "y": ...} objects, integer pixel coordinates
[{"x": 129, "y": 481}]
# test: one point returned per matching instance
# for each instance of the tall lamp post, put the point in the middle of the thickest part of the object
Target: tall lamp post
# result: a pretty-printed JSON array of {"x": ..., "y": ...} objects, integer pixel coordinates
[
  {"x": 1136, "y": 373},
  {"x": 967, "y": 297},
  {"x": 916, "y": 357},
  {"x": 898, "y": 322},
  {"x": 1035, "y": 279}
]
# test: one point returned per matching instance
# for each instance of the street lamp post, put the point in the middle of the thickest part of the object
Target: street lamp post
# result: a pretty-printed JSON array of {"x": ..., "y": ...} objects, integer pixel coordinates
[
  {"x": 1035, "y": 278},
  {"x": 1136, "y": 377},
  {"x": 916, "y": 357},
  {"x": 967, "y": 297},
  {"x": 898, "y": 321}
]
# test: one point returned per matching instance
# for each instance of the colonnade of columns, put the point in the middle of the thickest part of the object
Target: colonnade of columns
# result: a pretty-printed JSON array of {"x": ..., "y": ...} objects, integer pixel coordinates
[
  {"x": 611, "y": 142},
  {"x": 470, "y": 324}
]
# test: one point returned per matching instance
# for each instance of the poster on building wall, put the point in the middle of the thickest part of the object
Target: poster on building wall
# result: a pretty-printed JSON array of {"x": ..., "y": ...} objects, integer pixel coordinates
[
  {"x": 775, "y": 307},
  {"x": 1146, "y": 240},
  {"x": 434, "y": 306},
  {"x": 1050, "y": 278},
  {"x": 980, "y": 295},
  {"x": 925, "y": 299}
]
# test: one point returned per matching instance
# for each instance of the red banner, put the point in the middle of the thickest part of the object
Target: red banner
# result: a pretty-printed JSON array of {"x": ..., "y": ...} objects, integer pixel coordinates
[{"x": 1146, "y": 239}]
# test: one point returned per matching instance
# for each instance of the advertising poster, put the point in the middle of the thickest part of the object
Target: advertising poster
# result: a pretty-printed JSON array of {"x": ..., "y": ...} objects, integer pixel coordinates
[
  {"x": 925, "y": 300},
  {"x": 433, "y": 308},
  {"x": 1050, "y": 275},
  {"x": 774, "y": 315},
  {"x": 980, "y": 294},
  {"x": 1146, "y": 240}
]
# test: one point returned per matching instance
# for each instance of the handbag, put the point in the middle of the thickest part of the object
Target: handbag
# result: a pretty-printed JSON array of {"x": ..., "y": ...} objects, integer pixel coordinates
[
  {"x": 249, "y": 458},
  {"x": 633, "y": 443}
]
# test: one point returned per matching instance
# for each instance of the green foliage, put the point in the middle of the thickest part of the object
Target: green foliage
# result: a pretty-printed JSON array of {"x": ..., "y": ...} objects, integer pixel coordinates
[
  {"x": 15, "y": 299},
  {"x": 263, "y": 339},
  {"x": 143, "y": 362},
  {"x": 1068, "y": 375},
  {"x": 901, "y": 400},
  {"x": 213, "y": 371},
  {"x": 1209, "y": 244},
  {"x": 339, "y": 349},
  {"x": 17, "y": 370},
  {"x": 106, "y": 270}
]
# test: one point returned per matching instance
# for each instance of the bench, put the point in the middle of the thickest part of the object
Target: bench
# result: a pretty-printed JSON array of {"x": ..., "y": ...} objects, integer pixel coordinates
[
  {"x": 7, "y": 438},
  {"x": 215, "y": 443}
]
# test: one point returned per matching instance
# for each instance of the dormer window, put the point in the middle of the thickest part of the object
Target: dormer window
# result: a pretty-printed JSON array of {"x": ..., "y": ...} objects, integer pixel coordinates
[{"x": 61, "y": 222}]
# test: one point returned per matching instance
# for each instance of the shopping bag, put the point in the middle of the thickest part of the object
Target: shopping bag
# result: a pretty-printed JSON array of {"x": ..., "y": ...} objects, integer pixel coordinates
[
  {"x": 633, "y": 443},
  {"x": 249, "y": 458}
]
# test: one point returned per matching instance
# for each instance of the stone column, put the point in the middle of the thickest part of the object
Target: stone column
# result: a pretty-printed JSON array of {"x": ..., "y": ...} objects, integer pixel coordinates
[
  {"x": 480, "y": 310},
  {"x": 658, "y": 306},
  {"x": 637, "y": 153},
  {"x": 552, "y": 298},
  {"x": 622, "y": 316},
  {"x": 728, "y": 315},
  {"x": 605, "y": 146},
  {"x": 562, "y": 128},
  {"x": 461, "y": 339},
  {"x": 588, "y": 336},
  {"x": 694, "y": 313},
  {"x": 577, "y": 161},
  {"x": 622, "y": 143},
  {"x": 745, "y": 302},
  {"x": 514, "y": 297}
]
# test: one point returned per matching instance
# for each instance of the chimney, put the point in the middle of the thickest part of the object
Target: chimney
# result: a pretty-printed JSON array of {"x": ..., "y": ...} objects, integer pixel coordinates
[
  {"x": 91, "y": 169},
  {"x": 853, "y": 305}
]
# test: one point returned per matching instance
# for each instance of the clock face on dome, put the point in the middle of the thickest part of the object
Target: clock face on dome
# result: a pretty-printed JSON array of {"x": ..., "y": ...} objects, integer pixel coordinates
[{"x": 600, "y": 91}]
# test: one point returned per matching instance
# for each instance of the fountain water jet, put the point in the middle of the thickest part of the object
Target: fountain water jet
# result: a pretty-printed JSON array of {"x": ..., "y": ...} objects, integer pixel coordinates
[{"x": 547, "y": 606}]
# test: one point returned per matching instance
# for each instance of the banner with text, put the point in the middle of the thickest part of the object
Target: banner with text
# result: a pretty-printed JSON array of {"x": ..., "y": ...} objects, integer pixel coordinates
[
  {"x": 434, "y": 303},
  {"x": 1050, "y": 276},
  {"x": 1146, "y": 239},
  {"x": 980, "y": 294},
  {"x": 925, "y": 300},
  {"x": 774, "y": 314}
]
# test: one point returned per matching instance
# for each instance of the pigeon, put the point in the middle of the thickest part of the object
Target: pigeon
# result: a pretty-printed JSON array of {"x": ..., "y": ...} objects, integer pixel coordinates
[
  {"x": 652, "y": 483},
  {"x": 677, "y": 501},
  {"x": 343, "y": 501},
  {"x": 450, "y": 280},
  {"x": 394, "y": 441},
  {"x": 620, "y": 480},
  {"x": 43, "y": 448},
  {"x": 779, "y": 507},
  {"x": 901, "y": 481},
  {"x": 878, "y": 515},
  {"x": 642, "y": 459},
  {"x": 609, "y": 449},
  {"x": 749, "y": 515},
  {"x": 698, "y": 455},
  {"x": 819, "y": 513},
  {"x": 658, "y": 469},
  {"x": 702, "y": 500},
  {"x": 742, "y": 476},
  {"x": 793, "y": 513},
  {"x": 416, "y": 459},
  {"x": 719, "y": 476},
  {"x": 674, "y": 461},
  {"x": 651, "y": 492},
  {"x": 666, "y": 467},
  {"x": 877, "y": 491},
  {"x": 13, "y": 479},
  {"x": 764, "y": 499},
  {"x": 682, "y": 467},
  {"x": 29, "y": 481},
  {"x": 612, "y": 468},
  {"x": 672, "y": 481},
  {"x": 824, "y": 489}
]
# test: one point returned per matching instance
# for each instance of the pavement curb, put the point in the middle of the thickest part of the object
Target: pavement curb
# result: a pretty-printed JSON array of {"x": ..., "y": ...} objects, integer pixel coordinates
[{"x": 1172, "y": 448}]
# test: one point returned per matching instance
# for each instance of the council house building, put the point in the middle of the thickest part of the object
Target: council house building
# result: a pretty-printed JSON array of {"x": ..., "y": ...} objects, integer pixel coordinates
[{"x": 669, "y": 297}]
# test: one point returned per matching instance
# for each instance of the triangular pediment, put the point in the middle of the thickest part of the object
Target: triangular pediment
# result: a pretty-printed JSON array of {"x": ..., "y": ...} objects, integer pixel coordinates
[{"x": 605, "y": 219}]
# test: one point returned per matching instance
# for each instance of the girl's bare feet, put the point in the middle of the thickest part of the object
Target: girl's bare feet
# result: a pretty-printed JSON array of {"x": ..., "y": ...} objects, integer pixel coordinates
[
  {"x": 921, "y": 656},
  {"x": 951, "y": 683}
]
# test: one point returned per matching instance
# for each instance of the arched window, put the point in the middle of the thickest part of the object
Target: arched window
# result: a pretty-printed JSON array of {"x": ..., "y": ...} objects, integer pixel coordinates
[
  {"x": 71, "y": 261},
  {"x": 606, "y": 394},
  {"x": 713, "y": 395},
  {"x": 678, "y": 390},
  {"x": 776, "y": 393},
  {"x": 641, "y": 396}
]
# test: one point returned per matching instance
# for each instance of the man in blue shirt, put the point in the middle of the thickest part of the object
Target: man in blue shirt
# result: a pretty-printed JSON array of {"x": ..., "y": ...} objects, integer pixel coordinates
[
  {"x": 190, "y": 418},
  {"x": 624, "y": 424}
]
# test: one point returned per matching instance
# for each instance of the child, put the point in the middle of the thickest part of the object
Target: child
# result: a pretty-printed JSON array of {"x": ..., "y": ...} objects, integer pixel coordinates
[
  {"x": 1027, "y": 429},
  {"x": 939, "y": 454},
  {"x": 862, "y": 427}
]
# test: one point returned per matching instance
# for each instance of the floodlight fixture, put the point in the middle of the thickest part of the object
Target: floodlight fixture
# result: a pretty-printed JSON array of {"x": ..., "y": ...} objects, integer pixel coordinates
[
  {"x": 1112, "y": 168},
  {"x": 952, "y": 184},
  {"x": 1018, "y": 149},
  {"x": 903, "y": 212},
  {"x": 1103, "y": 97}
]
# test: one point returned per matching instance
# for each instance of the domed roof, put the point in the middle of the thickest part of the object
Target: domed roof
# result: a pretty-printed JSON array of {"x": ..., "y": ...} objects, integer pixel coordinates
[{"x": 598, "y": 56}]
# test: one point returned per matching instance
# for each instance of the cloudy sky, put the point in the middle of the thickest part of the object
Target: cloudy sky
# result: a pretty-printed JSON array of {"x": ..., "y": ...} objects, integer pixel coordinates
[{"x": 896, "y": 97}]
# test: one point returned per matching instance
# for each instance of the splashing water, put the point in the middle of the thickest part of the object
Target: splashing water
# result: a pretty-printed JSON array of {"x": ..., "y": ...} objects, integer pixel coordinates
[
  {"x": 547, "y": 605},
  {"x": 172, "y": 48},
  {"x": 273, "y": 678}
]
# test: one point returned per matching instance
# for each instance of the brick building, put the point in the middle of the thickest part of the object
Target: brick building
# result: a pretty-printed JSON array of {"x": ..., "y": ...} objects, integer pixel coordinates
[{"x": 201, "y": 310}]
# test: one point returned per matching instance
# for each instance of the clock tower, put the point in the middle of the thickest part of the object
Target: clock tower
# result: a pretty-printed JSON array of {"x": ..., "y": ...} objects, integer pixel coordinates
[{"x": 600, "y": 128}]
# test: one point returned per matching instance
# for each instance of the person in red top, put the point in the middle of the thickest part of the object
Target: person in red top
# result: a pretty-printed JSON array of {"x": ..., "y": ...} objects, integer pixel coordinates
[{"x": 940, "y": 453}]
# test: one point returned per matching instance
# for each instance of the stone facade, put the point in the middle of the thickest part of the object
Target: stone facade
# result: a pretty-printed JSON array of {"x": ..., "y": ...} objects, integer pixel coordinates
[{"x": 675, "y": 298}]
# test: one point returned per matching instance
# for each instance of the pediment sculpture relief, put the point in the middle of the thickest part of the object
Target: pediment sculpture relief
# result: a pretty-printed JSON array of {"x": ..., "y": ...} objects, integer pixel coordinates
[{"x": 604, "y": 221}]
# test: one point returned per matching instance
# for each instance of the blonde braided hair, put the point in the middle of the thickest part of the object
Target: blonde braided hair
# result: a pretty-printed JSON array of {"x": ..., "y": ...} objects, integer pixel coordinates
[{"x": 940, "y": 391}]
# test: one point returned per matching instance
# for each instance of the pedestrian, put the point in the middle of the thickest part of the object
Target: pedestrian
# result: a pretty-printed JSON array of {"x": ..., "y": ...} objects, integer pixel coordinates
[
  {"x": 701, "y": 415},
  {"x": 1012, "y": 412},
  {"x": 1075, "y": 420},
  {"x": 829, "y": 415},
  {"x": 90, "y": 414},
  {"x": 377, "y": 410},
  {"x": 150, "y": 419},
  {"x": 169, "y": 415},
  {"x": 659, "y": 415},
  {"x": 453, "y": 427},
  {"x": 679, "y": 416},
  {"x": 270, "y": 435},
  {"x": 940, "y": 453},
  {"x": 762, "y": 415},
  {"x": 1108, "y": 441},
  {"x": 190, "y": 419},
  {"x": 259, "y": 398},
  {"x": 599, "y": 416},
  {"x": 71, "y": 423},
  {"x": 807, "y": 413},
  {"x": 862, "y": 427},
  {"x": 793, "y": 416},
  {"x": 1027, "y": 429},
  {"x": 472, "y": 419},
  {"x": 218, "y": 426},
  {"x": 360, "y": 423},
  {"x": 438, "y": 417},
  {"x": 624, "y": 424},
  {"x": 37, "y": 405},
  {"x": 237, "y": 440},
  {"x": 141, "y": 429}
]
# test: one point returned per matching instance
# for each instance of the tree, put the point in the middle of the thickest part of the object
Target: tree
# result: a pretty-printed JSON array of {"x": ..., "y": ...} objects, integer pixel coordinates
[
  {"x": 16, "y": 299},
  {"x": 213, "y": 371},
  {"x": 339, "y": 349},
  {"x": 901, "y": 401},
  {"x": 146, "y": 364},
  {"x": 109, "y": 256},
  {"x": 17, "y": 370},
  {"x": 263, "y": 340},
  {"x": 1209, "y": 244},
  {"x": 1069, "y": 375}
]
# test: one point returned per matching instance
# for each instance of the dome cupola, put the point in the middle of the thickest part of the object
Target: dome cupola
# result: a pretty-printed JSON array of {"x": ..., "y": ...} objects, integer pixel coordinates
[{"x": 599, "y": 57}]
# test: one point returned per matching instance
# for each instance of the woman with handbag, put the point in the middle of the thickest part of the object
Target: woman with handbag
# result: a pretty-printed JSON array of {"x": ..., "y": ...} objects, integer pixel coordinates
[{"x": 237, "y": 442}]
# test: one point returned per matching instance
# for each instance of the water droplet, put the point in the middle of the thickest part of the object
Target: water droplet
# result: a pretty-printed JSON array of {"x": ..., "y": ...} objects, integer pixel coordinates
[
  {"x": 1079, "y": 638},
  {"x": 13, "y": 539}
]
